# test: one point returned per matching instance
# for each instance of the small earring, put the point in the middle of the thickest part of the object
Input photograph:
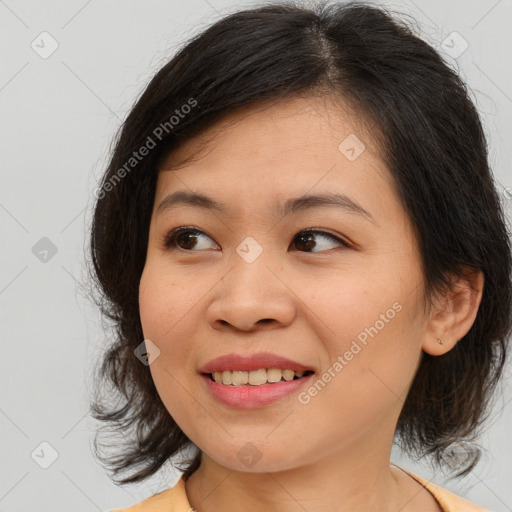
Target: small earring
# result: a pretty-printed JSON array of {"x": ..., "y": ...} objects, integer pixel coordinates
[{"x": 439, "y": 341}]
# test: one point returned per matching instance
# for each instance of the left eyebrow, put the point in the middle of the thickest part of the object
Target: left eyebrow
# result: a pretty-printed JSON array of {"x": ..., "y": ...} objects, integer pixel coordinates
[
  {"x": 290, "y": 206},
  {"x": 327, "y": 199}
]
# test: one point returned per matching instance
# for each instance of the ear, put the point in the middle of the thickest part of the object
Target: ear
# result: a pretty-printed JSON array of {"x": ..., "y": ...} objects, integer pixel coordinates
[{"x": 453, "y": 314}]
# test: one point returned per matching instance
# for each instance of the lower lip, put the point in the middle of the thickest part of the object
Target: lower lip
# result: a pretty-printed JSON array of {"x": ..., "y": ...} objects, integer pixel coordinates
[{"x": 250, "y": 397}]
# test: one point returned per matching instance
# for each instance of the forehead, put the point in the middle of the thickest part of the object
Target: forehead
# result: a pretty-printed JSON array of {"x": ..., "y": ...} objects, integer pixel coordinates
[
  {"x": 269, "y": 129},
  {"x": 284, "y": 149}
]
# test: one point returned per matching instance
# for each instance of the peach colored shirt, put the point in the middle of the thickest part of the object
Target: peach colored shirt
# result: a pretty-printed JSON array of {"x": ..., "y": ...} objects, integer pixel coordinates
[{"x": 175, "y": 499}]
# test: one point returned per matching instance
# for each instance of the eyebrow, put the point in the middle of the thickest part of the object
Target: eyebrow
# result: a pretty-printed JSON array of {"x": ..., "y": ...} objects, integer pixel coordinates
[{"x": 302, "y": 203}]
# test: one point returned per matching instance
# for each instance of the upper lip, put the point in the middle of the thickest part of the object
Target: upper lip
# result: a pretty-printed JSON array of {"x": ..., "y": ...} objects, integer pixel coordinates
[{"x": 253, "y": 362}]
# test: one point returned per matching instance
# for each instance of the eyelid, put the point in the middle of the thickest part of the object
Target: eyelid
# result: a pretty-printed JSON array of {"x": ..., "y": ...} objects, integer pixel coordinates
[
  {"x": 170, "y": 237},
  {"x": 322, "y": 231}
]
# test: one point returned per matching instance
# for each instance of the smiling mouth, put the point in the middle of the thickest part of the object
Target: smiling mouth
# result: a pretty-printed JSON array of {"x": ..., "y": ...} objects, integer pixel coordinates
[{"x": 261, "y": 377}]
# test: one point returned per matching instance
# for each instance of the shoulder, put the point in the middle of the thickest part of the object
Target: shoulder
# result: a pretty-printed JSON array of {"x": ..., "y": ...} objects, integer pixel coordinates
[
  {"x": 448, "y": 501},
  {"x": 169, "y": 500}
]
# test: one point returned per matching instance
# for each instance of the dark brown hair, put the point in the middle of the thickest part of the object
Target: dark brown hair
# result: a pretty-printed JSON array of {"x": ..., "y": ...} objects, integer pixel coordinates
[{"x": 432, "y": 143}]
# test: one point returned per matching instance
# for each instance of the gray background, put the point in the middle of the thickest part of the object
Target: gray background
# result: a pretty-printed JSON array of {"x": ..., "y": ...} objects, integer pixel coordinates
[{"x": 58, "y": 115}]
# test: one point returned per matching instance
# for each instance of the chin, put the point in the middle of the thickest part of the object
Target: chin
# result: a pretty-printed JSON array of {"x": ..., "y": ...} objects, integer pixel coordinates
[{"x": 250, "y": 459}]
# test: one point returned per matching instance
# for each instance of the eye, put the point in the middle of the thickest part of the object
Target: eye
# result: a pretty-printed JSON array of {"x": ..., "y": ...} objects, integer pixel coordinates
[
  {"x": 188, "y": 238},
  {"x": 185, "y": 238},
  {"x": 306, "y": 239}
]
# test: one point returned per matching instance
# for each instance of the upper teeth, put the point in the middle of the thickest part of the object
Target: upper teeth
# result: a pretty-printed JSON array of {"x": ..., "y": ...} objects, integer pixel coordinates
[{"x": 254, "y": 377}]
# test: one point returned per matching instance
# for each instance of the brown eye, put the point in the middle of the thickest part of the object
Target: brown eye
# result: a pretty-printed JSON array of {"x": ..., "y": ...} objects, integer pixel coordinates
[
  {"x": 312, "y": 239},
  {"x": 191, "y": 239},
  {"x": 185, "y": 238}
]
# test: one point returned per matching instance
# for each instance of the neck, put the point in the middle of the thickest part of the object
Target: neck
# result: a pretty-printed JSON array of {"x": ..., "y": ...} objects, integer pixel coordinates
[{"x": 343, "y": 481}]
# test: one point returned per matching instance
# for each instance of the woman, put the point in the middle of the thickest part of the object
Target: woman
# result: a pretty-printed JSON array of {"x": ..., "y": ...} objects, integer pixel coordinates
[{"x": 301, "y": 245}]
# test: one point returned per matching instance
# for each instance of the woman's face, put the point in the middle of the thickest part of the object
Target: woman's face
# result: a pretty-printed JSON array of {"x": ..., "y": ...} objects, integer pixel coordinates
[{"x": 345, "y": 300}]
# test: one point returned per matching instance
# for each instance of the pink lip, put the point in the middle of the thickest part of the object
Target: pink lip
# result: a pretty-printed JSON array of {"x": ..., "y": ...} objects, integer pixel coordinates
[
  {"x": 234, "y": 362},
  {"x": 251, "y": 397}
]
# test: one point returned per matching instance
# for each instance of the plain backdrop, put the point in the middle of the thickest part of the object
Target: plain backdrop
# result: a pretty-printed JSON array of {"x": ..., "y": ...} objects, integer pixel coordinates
[{"x": 70, "y": 72}]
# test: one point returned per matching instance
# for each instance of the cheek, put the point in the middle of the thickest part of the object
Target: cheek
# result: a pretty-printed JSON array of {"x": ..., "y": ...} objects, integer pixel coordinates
[
  {"x": 152, "y": 304},
  {"x": 351, "y": 306},
  {"x": 163, "y": 308},
  {"x": 364, "y": 381},
  {"x": 160, "y": 312},
  {"x": 373, "y": 339},
  {"x": 162, "y": 302}
]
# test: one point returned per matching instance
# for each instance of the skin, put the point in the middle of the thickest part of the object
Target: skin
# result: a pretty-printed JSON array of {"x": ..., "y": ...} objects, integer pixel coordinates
[{"x": 308, "y": 304}]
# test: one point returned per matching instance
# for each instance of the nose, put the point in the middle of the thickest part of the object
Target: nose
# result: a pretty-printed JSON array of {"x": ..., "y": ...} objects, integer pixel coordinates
[{"x": 252, "y": 296}]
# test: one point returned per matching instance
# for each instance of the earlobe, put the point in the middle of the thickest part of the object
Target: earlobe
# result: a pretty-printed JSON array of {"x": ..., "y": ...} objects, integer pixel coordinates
[{"x": 453, "y": 315}]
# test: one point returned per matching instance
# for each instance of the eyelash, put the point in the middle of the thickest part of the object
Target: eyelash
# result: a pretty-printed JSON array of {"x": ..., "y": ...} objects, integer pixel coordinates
[{"x": 170, "y": 238}]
